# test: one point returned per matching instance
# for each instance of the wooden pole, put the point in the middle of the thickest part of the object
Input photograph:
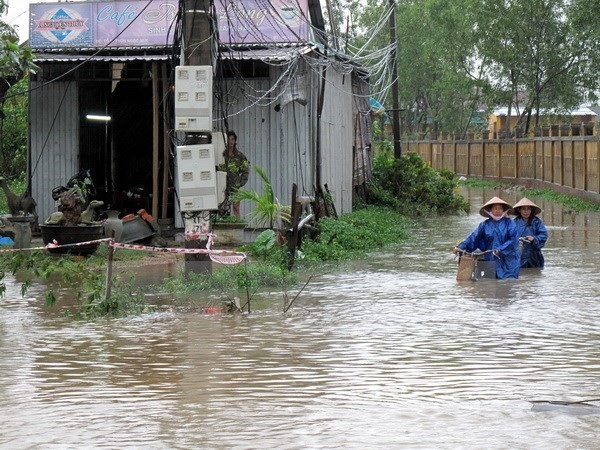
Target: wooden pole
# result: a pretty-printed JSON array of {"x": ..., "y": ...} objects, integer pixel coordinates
[
  {"x": 155, "y": 137},
  {"x": 166, "y": 143},
  {"x": 295, "y": 218},
  {"x": 332, "y": 25},
  {"x": 109, "y": 269},
  {"x": 247, "y": 284},
  {"x": 395, "y": 89},
  {"x": 320, "y": 102},
  {"x": 197, "y": 52}
]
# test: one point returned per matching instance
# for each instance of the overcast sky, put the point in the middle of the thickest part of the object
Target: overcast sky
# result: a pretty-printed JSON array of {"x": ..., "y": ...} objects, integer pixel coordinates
[{"x": 18, "y": 15}]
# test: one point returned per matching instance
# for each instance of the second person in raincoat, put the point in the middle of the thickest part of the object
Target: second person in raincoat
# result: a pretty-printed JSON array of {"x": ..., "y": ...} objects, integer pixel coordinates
[{"x": 532, "y": 231}]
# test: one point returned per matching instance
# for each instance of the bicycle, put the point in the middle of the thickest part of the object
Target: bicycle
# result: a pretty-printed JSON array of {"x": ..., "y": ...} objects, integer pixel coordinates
[{"x": 473, "y": 266}]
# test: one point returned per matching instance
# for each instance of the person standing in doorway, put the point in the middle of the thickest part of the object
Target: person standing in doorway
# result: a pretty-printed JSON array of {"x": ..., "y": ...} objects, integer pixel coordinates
[
  {"x": 532, "y": 232},
  {"x": 238, "y": 169}
]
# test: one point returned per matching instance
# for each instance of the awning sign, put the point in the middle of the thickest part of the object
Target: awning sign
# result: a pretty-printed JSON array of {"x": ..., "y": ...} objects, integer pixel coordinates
[
  {"x": 102, "y": 24},
  {"x": 259, "y": 21}
]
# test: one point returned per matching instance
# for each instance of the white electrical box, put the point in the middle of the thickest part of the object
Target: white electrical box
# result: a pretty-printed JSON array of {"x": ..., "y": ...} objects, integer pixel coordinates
[
  {"x": 219, "y": 140},
  {"x": 221, "y": 186},
  {"x": 197, "y": 178},
  {"x": 193, "y": 98}
]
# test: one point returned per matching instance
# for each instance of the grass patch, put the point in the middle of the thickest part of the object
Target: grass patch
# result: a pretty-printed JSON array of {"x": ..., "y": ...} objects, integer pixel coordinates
[
  {"x": 352, "y": 236},
  {"x": 356, "y": 234},
  {"x": 254, "y": 275},
  {"x": 569, "y": 201}
]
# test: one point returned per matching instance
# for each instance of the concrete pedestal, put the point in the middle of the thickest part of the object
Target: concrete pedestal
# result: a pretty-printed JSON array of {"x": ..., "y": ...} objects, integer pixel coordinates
[{"x": 22, "y": 228}]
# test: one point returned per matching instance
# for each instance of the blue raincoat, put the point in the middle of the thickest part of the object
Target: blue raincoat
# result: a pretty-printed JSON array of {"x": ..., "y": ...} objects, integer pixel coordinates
[
  {"x": 500, "y": 235},
  {"x": 531, "y": 253}
]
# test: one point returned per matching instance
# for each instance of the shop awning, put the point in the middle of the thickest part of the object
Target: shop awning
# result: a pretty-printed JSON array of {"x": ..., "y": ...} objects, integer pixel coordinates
[
  {"x": 63, "y": 57},
  {"x": 267, "y": 54}
]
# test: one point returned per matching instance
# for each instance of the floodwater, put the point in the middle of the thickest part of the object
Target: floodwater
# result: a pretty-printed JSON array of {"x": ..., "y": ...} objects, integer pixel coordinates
[{"x": 390, "y": 353}]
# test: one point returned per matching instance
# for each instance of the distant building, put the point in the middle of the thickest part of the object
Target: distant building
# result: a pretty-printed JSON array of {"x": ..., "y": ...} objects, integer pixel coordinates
[{"x": 498, "y": 119}]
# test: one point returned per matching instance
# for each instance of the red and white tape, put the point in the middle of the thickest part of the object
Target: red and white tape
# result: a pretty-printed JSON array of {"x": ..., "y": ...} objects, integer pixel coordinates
[{"x": 219, "y": 256}]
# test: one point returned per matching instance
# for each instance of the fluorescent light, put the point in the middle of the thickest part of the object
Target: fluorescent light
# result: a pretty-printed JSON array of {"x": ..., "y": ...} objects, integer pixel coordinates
[{"x": 97, "y": 117}]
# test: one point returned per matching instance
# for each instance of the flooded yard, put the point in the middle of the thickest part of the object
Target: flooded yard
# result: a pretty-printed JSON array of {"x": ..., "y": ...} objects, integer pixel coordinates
[{"x": 390, "y": 352}]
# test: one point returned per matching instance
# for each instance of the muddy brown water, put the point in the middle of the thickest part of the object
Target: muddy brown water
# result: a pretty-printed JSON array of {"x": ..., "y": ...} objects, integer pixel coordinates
[{"x": 390, "y": 352}]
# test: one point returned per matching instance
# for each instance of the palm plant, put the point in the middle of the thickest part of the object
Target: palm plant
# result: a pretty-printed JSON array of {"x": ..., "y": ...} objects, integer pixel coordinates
[{"x": 267, "y": 208}]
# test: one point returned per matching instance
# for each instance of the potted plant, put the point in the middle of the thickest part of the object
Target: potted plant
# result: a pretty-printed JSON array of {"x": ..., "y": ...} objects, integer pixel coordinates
[
  {"x": 73, "y": 224},
  {"x": 267, "y": 208},
  {"x": 229, "y": 229}
]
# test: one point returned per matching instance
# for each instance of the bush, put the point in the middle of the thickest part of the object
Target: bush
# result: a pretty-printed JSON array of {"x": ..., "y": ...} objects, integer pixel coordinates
[{"x": 414, "y": 187}]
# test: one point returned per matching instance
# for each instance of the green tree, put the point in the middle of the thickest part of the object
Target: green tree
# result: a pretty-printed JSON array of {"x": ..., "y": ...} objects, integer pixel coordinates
[
  {"x": 544, "y": 54},
  {"x": 15, "y": 63},
  {"x": 441, "y": 76},
  {"x": 13, "y": 132},
  {"x": 457, "y": 57}
]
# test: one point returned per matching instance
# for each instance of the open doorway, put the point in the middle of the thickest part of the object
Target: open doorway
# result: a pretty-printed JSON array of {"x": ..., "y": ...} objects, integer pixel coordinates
[{"x": 116, "y": 135}]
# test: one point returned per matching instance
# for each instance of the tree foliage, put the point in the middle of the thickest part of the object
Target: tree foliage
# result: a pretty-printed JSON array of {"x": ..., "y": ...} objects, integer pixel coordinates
[
  {"x": 15, "y": 61},
  {"x": 541, "y": 54},
  {"x": 460, "y": 57},
  {"x": 13, "y": 132}
]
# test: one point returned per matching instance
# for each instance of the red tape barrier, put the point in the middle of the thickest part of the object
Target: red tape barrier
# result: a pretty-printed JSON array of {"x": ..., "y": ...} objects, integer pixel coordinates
[{"x": 220, "y": 256}]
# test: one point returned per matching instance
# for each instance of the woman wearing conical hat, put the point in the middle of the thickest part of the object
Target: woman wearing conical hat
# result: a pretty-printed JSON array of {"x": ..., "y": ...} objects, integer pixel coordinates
[
  {"x": 532, "y": 231},
  {"x": 497, "y": 233}
]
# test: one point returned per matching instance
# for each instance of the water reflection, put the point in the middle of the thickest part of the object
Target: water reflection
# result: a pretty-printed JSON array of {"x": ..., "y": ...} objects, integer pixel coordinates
[{"x": 391, "y": 352}]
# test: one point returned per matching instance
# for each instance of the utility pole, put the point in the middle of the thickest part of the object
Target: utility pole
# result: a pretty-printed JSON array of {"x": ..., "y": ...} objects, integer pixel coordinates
[
  {"x": 395, "y": 91},
  {"x": 335, "y": 43},
  {"x": 197, "y": 51},
  {"x": 196, "y": 36}
]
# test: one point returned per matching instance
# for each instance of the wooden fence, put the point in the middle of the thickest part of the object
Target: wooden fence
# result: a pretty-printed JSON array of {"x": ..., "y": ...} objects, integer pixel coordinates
[{"x": 569, "y": 162}]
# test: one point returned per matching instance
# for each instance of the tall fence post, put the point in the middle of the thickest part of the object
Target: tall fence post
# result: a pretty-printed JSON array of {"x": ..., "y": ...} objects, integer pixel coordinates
[
  {"x": 585, "y": 173},
  {"x": 430, "y": 152},
  {"x": 516, "y": 169},
  {"x": 499, "y": 165}
]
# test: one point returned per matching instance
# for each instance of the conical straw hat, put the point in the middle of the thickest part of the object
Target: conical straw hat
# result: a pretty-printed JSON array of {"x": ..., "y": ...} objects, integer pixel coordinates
[
  {"x": 535, "y": 209},
  {"x": 494, "y": 201}
]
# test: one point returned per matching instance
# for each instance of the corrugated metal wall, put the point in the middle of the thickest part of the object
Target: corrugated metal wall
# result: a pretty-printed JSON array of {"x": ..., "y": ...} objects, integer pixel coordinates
[
  {"x": 280, "y": 140},
  {"x": 54, "y": 140},
  {"x": 283, "y": 142},
  {"x": 336, "y": 138}
]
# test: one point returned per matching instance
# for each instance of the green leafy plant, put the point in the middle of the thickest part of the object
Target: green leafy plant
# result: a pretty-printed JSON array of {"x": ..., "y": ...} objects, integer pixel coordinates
[
  {"x": 13, "y": 132},
  {"x": 87, "y": 275},
  {"x": 355, "y": 234},
  {"x": 267, "y": 208},
  {"x": 413, "y": 186}
]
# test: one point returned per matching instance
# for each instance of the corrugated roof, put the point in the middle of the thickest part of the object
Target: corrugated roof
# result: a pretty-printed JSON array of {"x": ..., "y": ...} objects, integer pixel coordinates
[
  {"x": 267, "y": 54},
  {"x": 63, "y": 57}
]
